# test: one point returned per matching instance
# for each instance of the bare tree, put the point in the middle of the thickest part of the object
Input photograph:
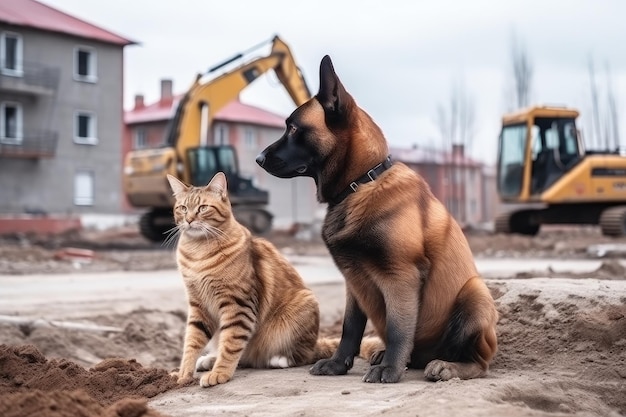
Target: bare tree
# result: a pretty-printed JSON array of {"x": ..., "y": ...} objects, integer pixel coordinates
[
  {"x": 522, "y": 73},
  {"x": 456, "y": 123},
  {"x": 612, "y": 116},
  {"x": 604, "y": 119},
  {"x": 595, "y": 117}
]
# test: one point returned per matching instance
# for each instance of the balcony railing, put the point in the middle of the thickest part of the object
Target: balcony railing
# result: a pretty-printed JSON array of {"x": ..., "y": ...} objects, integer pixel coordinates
[
  {"x": 30, "y": 77},
  {"x": 32, "y": 145}
]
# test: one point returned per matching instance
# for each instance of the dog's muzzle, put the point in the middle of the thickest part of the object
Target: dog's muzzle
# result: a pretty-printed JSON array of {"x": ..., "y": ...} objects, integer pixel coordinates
[
  {"x": 280, "y": 168},
  {"x": 271, "y": 164},
  {"x": 260, "y": 160}
]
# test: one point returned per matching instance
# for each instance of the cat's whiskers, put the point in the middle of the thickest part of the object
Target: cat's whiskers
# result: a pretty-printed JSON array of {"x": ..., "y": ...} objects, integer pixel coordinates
[
  {"x": 215, "y": 232},
  {"x": 173, "y": 235}
]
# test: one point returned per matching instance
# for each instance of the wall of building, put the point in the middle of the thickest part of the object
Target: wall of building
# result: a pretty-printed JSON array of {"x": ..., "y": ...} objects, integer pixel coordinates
[{"x": 48, "y": 184}]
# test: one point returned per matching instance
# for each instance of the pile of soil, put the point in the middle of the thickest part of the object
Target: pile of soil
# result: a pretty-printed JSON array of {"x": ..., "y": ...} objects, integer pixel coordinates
[{"x": 32, "y": 385}]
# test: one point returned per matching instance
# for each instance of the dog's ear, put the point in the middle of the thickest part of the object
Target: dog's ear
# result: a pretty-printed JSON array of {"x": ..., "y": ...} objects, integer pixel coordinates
[{"x": 332, "y": 95}]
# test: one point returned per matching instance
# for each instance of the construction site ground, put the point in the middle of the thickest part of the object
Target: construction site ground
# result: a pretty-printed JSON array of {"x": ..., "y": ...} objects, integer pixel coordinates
[{"x": 92, "y": 322}]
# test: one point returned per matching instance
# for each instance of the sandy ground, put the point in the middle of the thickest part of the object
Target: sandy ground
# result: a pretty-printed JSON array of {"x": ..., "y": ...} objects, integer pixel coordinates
[{"x": 106, "y": 340}]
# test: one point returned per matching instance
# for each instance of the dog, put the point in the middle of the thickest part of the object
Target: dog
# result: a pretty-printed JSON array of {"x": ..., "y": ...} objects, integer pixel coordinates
[{"x": 407, "y": 265}]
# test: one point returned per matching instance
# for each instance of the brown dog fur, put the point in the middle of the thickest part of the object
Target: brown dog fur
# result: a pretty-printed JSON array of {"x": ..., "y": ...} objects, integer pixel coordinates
[{"x": 407, "y": 265}]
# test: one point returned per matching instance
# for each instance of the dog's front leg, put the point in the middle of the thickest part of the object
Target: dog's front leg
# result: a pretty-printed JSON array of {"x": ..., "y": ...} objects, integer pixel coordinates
[
  {"x": 401, "y": 319},
  {"x": 354, "y": 322}
]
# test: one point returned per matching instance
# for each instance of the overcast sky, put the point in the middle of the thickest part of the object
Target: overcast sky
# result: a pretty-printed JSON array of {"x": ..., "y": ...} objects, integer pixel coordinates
[{"x": 399, "y": 59}]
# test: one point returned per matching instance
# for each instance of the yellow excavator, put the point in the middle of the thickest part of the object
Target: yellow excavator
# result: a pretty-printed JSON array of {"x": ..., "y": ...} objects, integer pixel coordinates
[
  {"x": 545, "y": 175},
  {"x": 190, "y": 155}
]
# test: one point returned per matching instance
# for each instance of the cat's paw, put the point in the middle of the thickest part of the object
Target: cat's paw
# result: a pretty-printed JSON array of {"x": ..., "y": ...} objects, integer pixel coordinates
[
  {"x": 182, "y": 379},
  {"x": 278, "y": 362},
  {"x": 376, "y": 358},
  {"x": 213, "y": 378},
  {"x": 329, "y": 367},
  {"x": 205, "y": 363}
]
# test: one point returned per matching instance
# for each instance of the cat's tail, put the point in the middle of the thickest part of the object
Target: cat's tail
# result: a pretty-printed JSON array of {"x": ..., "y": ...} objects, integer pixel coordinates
[{"x": 371, "y": 346}]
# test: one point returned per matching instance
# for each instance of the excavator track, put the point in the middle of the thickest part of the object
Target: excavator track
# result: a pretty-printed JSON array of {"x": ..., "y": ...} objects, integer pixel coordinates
[
  {"x": 501, "y": 223},
  {"x": 613, "y": 221},
  {"x": 154, "y": 225},
  {"x": 521, "y": 222},
  {"x": 257, "y": 220}
]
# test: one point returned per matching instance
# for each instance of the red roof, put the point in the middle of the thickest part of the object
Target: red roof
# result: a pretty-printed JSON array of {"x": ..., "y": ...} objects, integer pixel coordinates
[
  {"x": 235, "y": 111},
  {"x": 31, "y": 13}
]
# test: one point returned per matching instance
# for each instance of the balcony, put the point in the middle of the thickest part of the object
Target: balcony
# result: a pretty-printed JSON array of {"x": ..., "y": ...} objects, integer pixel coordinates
[
  {"x": 32, "y": 79},
  {"x": 34, "y": 145}
]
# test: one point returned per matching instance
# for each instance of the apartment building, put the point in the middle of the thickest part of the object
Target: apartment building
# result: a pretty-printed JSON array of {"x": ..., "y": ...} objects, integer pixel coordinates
[{"x": 61, "y": 112}]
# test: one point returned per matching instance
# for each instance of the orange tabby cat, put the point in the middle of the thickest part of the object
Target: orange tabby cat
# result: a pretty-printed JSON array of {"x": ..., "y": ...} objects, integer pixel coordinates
[{"x": 244, "y": 297}]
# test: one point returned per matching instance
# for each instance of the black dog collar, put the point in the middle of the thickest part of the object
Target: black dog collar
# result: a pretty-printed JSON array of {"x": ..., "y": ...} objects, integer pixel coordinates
[{"x": 370, "y": 175}]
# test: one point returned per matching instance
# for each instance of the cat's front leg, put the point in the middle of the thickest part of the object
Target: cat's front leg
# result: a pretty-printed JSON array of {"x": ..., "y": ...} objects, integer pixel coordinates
[
  {"x": 234, "y": 335},
  {"x": 197, "y": 335}
]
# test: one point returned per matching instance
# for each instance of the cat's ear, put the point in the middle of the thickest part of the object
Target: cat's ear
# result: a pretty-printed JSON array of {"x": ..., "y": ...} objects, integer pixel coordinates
[
  {"x": 218, "y": 184},
  {"x": 177, "y": 185}
]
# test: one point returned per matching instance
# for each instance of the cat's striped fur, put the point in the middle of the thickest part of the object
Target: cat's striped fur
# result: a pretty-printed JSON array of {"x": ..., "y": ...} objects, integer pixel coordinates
[{"x": 244, "y": 297}]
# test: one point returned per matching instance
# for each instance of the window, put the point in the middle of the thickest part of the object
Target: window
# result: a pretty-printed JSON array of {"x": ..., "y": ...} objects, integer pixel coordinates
[
  {"x": 85, "y": 128},
  {"x": 83, "y": 188},
  {"x": 11, "y": 123},
  {"x": 85, "y": 64},
  {"x": 221, "y": 134},
  {"x": 11, "y": 54},
  {"x": 511, "y": 161},
  {"x": 140, "y": 139},
  {"x": 249, "y": 138}
]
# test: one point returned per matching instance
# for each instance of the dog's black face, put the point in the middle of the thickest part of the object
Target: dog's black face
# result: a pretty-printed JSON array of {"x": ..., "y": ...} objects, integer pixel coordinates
[
  {"x": 295, "y": 153},
  {"x": 309, "y": 139}
]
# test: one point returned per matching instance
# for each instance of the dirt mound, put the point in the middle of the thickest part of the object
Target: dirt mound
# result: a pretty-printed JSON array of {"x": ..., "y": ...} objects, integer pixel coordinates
[{"x": 33, "y": 385}]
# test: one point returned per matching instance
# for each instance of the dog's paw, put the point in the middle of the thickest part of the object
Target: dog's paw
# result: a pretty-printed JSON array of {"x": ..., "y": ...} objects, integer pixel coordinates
[
  {"x": 329, "y": 367},
  {"x": 438, "y": 370},
  {"x": 205, "y": 363},
  {"x": 213, "y": 378},
  {"x": 383, "y": 374}
]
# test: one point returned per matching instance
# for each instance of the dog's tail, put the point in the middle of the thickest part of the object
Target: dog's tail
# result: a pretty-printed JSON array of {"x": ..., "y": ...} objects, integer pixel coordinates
[
  {"x": 371, "y": 348},
  {"x": 325, "y": 347}
]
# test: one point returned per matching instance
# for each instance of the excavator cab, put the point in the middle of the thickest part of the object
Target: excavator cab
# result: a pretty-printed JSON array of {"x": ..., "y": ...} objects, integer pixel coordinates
[
  {"x": 554, "y": 151},
  {"x": 535, "y": 153},
  {"x": 206, "y": 161}
]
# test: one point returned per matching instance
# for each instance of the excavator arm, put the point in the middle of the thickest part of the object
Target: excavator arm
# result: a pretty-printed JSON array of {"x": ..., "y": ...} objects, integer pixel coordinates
[{"x": 203, "y": 100}]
